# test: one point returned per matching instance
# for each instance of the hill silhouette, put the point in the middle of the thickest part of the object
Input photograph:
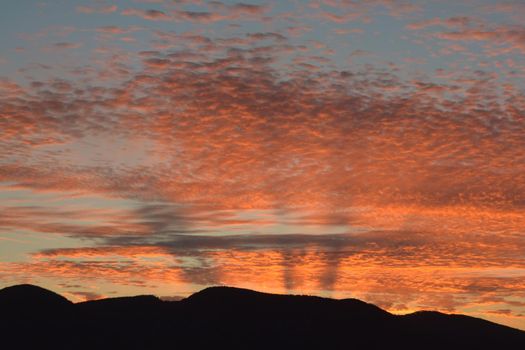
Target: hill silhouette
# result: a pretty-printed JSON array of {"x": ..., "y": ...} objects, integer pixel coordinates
[
  {"x": 29, "y": 298},
  {"x": 217, "y": 317}
]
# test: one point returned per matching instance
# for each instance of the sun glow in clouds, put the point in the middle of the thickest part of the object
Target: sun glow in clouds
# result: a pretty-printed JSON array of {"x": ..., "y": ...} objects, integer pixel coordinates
[{"x": 347, "y": 149}]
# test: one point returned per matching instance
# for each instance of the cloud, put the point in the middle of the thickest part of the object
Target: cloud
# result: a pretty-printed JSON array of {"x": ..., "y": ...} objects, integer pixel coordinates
[
  {"x": 239, "y": 8},
  {"x": 152, "y": 15},
  {"x": 365, "y": 11},
  {"x": 196, "y": 16},
  {"x": 450, "y": 22},
  {"x": 505, "y": 37},
  {"x": 10, "y": 88},
  {"x": 498, "y": 38},
  {"x": 414, "y": 273},
  {"x": 84, "y": 222},
  {"x": 66, "y": 45},
  {"x": 116, "y": 30},
  {"x": 509, "y": 7},
  {"x": 85, "y": 295},
  {"x": 272, "y": 162},
  {"x": 260, "y": 121},
  {"x": 97, "y": 9},
  {"x": 242, "y": 8},
  {"x": 219, "y": 11},
  {"x": 267, "y": 36},
  {"x": 341, "y": 18},
  {"x": 216, "y": 11},
  {"x": 231, "y": 160}
]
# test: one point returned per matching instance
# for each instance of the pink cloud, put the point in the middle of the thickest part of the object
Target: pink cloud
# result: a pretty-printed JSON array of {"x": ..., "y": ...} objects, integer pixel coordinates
[
  {"x": 241, "y": 84},
  {"x": 220, "y": 12},
  {"x": 242, "y": 8},
  {"x": 513, "y": 37},
  {"x": 366, "y": 9},
  {"x": 152, "y": 15},
  {"x": 450, "y": 22},
  {"x": 112, "y": 30},
  {"x": 196, "y": 16},
  {"x": 97, "y": 9}
]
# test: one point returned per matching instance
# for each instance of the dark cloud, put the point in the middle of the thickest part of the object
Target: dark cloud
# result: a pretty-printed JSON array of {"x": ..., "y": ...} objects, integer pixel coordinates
[{"x": 151, "y": 14}]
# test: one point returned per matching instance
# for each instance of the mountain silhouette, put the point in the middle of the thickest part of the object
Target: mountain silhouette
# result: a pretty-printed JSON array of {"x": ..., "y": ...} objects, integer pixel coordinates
[
  {"x": 25, "y": 298},
  {"x": 234, "y": 318}
]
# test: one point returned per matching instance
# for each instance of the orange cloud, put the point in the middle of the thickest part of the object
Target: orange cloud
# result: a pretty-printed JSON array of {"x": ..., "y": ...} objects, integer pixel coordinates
[
  {"x": 512, "y": 37},
  {"x": 462, "y": 21},
  {"x": 405, "y": 278},
  {"x": 241, "y": 164}
]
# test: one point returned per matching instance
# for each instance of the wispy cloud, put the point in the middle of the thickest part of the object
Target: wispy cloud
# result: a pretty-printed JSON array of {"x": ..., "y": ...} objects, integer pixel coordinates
[{"x": 100, "y": 9}]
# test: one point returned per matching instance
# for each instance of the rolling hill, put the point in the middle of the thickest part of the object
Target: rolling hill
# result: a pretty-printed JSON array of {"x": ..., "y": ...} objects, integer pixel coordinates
[{"x": 233, "y": 318}]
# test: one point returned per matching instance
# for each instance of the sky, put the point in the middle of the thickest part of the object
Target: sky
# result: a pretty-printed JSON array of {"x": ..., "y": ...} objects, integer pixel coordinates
[{"x": 365, "y": 149}]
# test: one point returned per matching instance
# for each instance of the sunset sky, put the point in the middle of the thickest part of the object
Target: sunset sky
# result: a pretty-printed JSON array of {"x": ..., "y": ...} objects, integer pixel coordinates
[{"x": 366, "y": 149}]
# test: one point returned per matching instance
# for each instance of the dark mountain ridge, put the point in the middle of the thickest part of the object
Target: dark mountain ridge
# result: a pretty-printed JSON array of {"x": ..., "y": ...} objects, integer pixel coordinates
[
  {"x": 33, "y": 317},
  {"x": 29, "y": 298}
]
